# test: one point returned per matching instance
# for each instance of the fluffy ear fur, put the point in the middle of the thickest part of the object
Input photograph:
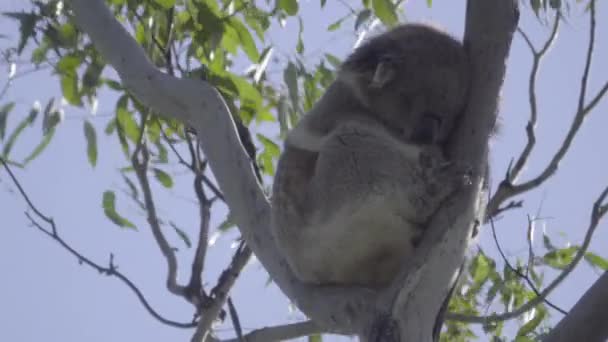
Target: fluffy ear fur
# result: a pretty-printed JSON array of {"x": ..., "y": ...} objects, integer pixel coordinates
[{"x": 382, "y": 76}]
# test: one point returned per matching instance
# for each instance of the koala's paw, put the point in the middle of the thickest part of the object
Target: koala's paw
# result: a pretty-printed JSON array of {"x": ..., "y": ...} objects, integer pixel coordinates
[{"x": 442, "y": 177}]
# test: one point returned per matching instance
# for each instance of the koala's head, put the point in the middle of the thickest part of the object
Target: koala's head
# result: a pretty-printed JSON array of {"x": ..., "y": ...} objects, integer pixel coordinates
[{"x": 414, "y": 79}]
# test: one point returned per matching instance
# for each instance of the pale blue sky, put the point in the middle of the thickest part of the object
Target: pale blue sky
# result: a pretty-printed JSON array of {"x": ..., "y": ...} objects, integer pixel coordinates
[{"x": 46, "y": 295}]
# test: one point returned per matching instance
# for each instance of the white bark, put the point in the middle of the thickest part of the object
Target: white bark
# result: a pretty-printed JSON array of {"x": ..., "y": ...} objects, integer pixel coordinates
[
  {"x": 199, "y": 105},
  {"x": 416, "y": 298},
  {"x": 586, "y": 321}
]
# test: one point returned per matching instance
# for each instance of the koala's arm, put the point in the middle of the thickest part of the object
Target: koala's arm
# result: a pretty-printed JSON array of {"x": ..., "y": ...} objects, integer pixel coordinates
[{"x": 349, "y": 213}]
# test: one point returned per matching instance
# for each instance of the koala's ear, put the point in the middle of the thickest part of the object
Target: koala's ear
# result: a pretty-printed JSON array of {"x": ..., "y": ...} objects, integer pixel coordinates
[{"x": 383, "y": 74}]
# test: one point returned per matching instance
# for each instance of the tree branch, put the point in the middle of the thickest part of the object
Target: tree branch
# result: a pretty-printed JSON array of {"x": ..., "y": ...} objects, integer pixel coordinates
[
  {"x": 587, "y": 319},
  {"x": 422, "y": 287},
  {"x": 537, "y": 57},
  {"x": 506, "y": 189},
  {"x": 598, "y": 211},
  {"x": 278, "y": 333},
  {"x": 220, "y": 292},
  {"x": 141, "y": 169},
  {"x": 197, "y": 104},
  {"x": 112, "y": 270}
]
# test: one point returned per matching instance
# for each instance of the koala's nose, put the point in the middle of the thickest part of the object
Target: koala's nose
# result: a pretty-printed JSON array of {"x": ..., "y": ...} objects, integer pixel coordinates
[{"x": 426, "y": 130}]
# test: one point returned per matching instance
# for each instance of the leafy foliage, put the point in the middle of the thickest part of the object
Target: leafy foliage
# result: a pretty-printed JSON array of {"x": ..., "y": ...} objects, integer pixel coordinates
[{"x": 206, "y": 39}]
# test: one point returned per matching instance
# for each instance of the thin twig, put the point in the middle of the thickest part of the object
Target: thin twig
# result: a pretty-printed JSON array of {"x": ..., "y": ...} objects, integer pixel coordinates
[
  {"x": 220, "y": 292},
  {"x": 278, "y": 333},
  {"x": 506, "y": 189},
  {"x": 141, "y": 169},
  {"x": 109, "y": 271},
  {"x": 530, "y": 127},
  {"x": 234, "y": 317},
  {"x": 198, "y": 263},
  {"x": 520, "y": 274},
  {"x": 598, "y": 211}
]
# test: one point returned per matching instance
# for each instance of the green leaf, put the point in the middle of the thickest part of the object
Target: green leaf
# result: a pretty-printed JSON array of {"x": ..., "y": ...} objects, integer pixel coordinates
[
  {"x": 163, "y": 178},
  {"x": 289, "y": 6},
  {"x": 166, "y": 4},
  {"x": 596, "y": 261},
  {"x": 227, "y": 224},
  {"x": 51, "y": 117},
  {"x": 290, "y": 77},
  {"x": 125, "y": 121},
  {"x": 247, "y": 42},
  {"x": 4, "y": 111},
  {"x": 182, "y": 235},
  {"x": 555, "y": 4},
  {"x": 46, "y": 139},
  {"x": 535, "y": 4},
  {"x": 300, "y": 44},
  {"x": 91, "y": 137},
  {"x": 333, "y": 60},
  {"x": 560, "y": 258},
  {"x": 109, "y": 208},
  {"x": 315, "y": 338},
  {"x": 269, "y": 145},
  {"x": 28, "y": 120},
  {"x": 335, "y": 25},
  {"x": 480, "y": 269},
  {"x": 27, "y": 23},
  {"x": 533, "y": 323},
  {"x": 547, "y": 243},
  {"x": 133, "y": 192},
  {"x": 362, "y": 18},
  {"x": 114, "y": 85},
  {"x": 69, "y": 89},
  {"x": 385, "y": 11},
  {"x": 91, "y": 77},
  {"x": 68, "y": 64}
]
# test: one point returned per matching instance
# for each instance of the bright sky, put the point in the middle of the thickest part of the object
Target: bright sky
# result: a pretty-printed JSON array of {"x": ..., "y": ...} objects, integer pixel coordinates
[{"x": 46, "y": 295}]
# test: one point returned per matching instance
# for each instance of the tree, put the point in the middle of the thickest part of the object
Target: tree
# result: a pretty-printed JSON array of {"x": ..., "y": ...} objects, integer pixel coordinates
[{"x": 211, "y": 101}]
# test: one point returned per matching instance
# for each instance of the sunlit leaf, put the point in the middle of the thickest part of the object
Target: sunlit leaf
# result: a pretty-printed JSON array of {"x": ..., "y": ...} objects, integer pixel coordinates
[
  {"x": 532, "y": 324},
  {"x": 69, "y": 89},
  {"x": 247, "y": 42},
  {"x": 560, "y": 258},
  {"x": 315, "y": 338},
  {"x": 166, "y": 4},
  {"x": 289, "y": 6},
  {"x": 596, "y": 261},
  {"x": 385, "y": 11},
  {"x": 334, "y": 26}
]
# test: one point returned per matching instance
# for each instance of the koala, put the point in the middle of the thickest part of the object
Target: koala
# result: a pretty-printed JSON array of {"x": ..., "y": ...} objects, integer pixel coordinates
[{"x": 363, "y": 172}]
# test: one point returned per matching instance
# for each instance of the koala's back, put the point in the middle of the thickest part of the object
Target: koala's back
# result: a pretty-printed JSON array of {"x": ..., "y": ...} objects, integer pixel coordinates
[
  {"x": 356, "y": 209},
  {"x": 351, "y": 198}
]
